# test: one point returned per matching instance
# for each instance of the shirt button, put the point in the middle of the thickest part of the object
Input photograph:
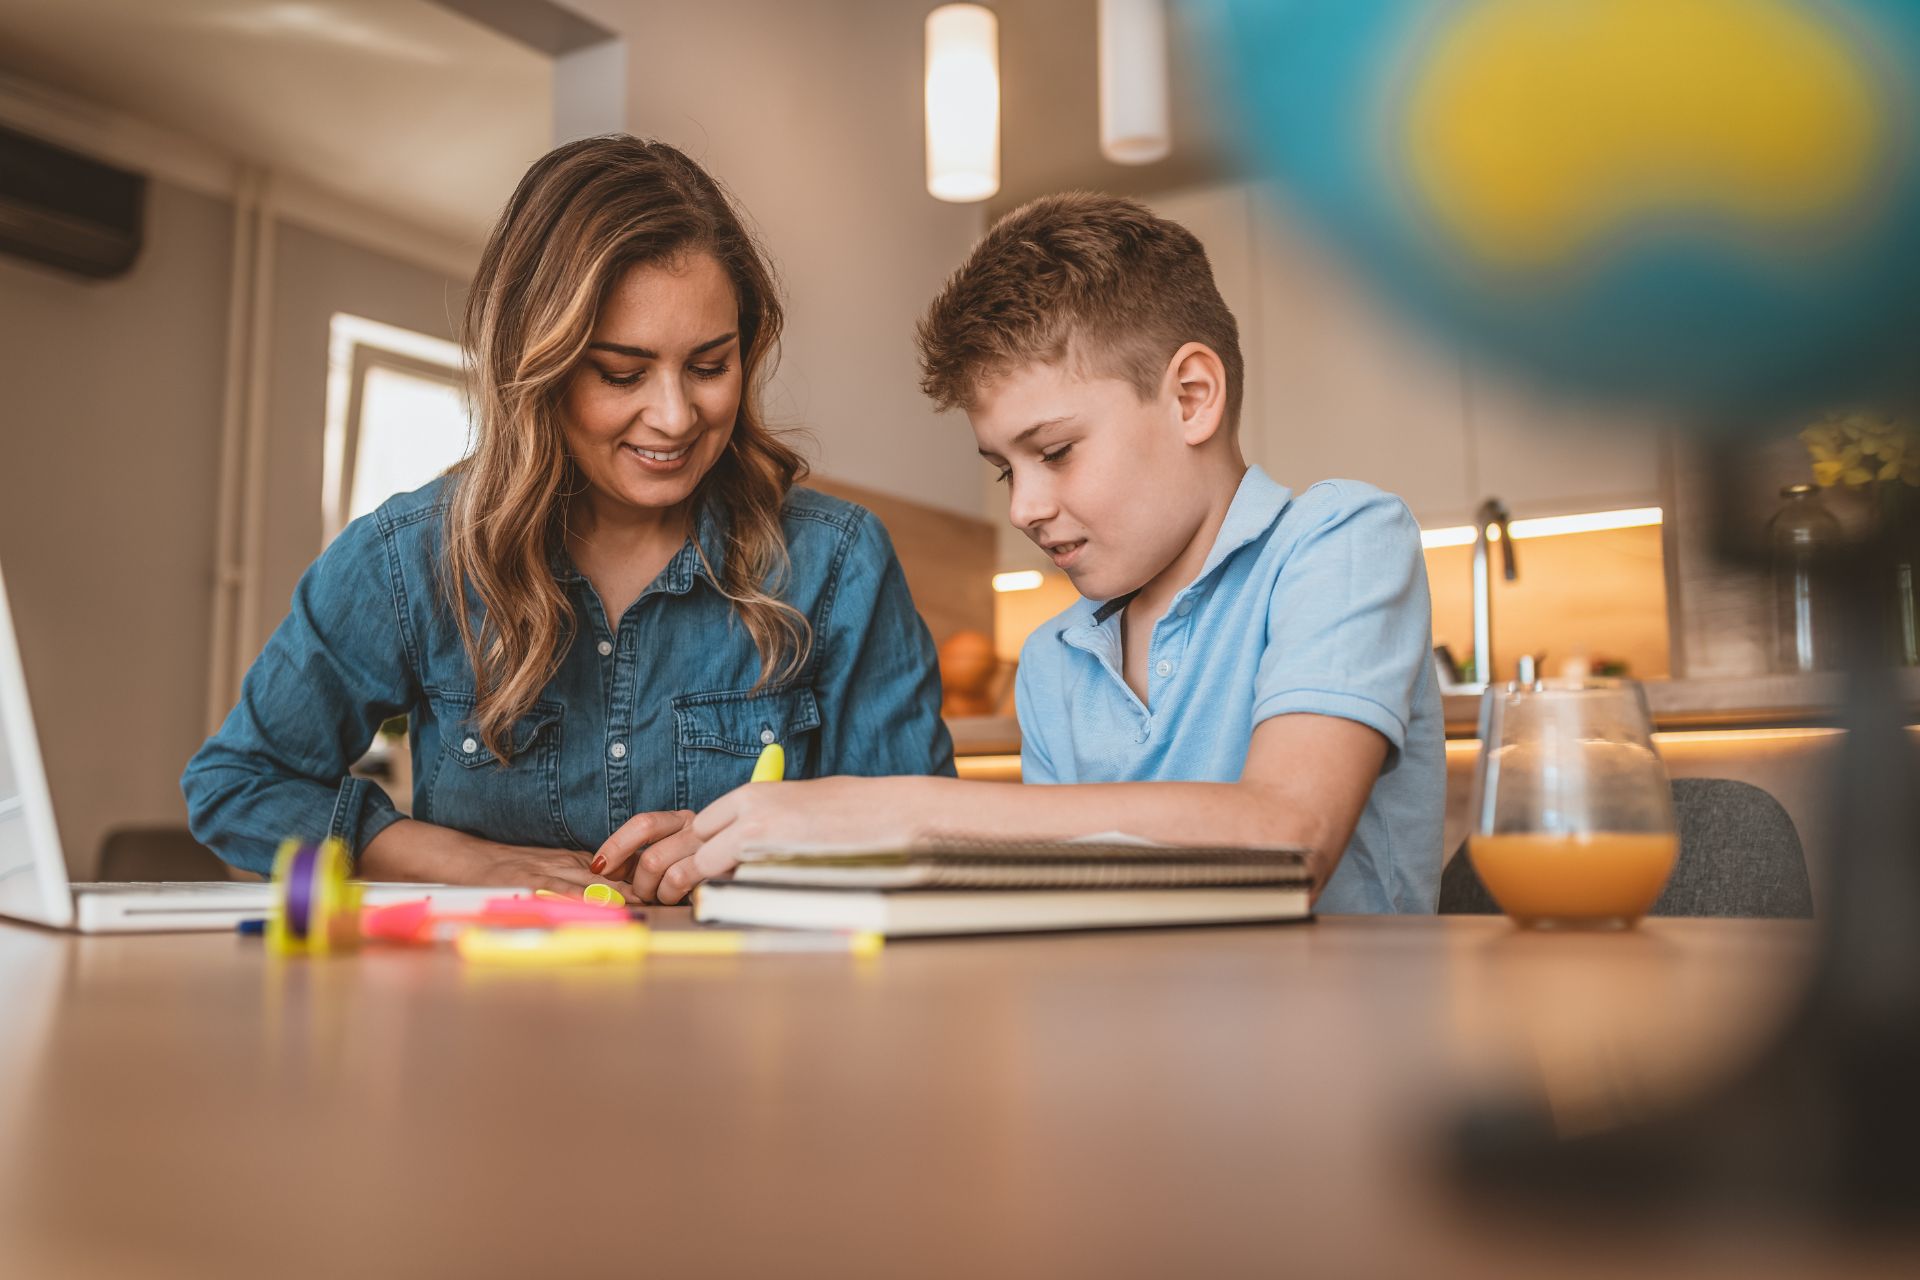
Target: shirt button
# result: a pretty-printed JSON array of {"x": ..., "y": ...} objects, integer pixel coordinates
[
  {"x": 766, "y": 737},
  {"x": 1184, "y": 608},
  {"x": 469, "y": 746},
  {"x": 618, "y": 751},
  {"x": 1163, "y": 668},
  {"x": 606, "y": 647}
]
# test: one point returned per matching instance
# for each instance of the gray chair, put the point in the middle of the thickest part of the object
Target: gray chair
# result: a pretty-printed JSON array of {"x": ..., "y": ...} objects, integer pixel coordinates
[
  {"x": 1739, "y": 856},
  {"x": 157, "y": 853}
]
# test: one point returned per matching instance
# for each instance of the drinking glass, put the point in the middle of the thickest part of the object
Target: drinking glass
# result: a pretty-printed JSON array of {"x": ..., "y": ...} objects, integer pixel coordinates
[{"x": 1572, "y": 819}]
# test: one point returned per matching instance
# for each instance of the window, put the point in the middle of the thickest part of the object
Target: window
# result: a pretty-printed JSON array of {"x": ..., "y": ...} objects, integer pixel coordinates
[{"x": 396, "y": 415}]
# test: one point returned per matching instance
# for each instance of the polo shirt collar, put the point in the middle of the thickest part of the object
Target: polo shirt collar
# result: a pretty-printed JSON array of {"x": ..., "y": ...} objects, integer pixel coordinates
[{"x": 1256, "y": 504}]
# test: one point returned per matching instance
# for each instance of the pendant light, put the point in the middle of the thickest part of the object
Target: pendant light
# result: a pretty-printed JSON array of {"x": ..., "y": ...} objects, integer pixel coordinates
[
  {"x": 1133, "y": 81},
  {"x": 963, "y": 103}
]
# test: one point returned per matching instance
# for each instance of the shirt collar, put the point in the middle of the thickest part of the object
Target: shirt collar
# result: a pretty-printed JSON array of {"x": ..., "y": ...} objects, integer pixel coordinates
[
  {"x": 1256, "y": 504},
  {"x": 711, "y": 527}
]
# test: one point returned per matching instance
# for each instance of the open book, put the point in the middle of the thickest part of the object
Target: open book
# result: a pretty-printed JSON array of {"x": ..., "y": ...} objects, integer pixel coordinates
[{"x": 992, "y": 886}]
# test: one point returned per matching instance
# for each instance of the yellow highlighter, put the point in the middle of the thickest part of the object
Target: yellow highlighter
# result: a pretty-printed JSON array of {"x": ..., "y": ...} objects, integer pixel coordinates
[
  {"x": 772, "y": 764},
  {"x": 591, "y": 944},
  {"x": 734, "y": 942},
  {"x": 573, "y": 945}
]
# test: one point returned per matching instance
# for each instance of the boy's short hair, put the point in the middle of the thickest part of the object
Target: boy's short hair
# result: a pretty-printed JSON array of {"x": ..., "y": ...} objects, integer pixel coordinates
[{"x": 1095, "y": 279}]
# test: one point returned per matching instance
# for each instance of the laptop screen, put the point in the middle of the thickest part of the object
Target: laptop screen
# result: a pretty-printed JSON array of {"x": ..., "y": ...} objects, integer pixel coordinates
[{"x": 33, "y": 872}]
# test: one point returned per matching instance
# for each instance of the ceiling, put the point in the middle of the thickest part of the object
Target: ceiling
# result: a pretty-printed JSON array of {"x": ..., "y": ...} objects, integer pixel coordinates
[
  {"x": 416, "y": 110},
  {"x": 401, "y": 105}
]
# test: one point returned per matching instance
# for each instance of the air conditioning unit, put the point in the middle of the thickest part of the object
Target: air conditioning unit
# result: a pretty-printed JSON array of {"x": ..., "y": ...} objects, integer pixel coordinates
[{"x": 65, "y": 210}]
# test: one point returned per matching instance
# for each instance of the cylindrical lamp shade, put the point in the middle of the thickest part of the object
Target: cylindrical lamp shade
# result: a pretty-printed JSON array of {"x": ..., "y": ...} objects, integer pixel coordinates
[
  {"x": 1133, "y": 81},
  {"x": 963, "y": 102}
]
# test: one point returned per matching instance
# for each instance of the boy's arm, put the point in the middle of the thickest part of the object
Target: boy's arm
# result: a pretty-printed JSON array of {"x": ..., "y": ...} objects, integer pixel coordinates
[{"x": 1306, "y": 782}]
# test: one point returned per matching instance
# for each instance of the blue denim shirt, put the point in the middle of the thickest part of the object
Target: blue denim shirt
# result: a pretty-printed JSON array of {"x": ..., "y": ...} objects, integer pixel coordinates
[{"x": 657, "y": 712}]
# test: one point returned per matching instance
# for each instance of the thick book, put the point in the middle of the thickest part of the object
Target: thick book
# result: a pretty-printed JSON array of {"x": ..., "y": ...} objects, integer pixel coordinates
[{"x": 1006, "y": 886}]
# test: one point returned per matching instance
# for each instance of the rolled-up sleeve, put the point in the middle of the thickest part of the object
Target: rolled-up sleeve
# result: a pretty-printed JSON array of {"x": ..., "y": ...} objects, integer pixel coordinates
[
  {"x": 879, "y": 681},
  {"x": 330, "y": 674},
  {"x": 1349, "y": 633}
]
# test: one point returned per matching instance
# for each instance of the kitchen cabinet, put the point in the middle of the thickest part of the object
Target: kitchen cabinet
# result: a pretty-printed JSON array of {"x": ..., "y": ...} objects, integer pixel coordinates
[
  {"x": 1339, "y": 386},
  {"x": 1546, "y": 456}
]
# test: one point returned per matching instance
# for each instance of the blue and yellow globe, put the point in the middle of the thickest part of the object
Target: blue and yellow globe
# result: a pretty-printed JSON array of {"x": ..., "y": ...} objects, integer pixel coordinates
[{"x": 1710, "y": 203}]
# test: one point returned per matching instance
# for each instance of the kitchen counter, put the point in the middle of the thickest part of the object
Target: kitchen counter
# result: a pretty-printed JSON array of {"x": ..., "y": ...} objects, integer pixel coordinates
[{"x": 1725, "y": 702}]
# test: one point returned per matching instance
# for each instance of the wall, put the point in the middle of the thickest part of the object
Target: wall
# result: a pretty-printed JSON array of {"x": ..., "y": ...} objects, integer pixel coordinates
[
  {"x": 313, "y": 277},
  {"x": 109, "y": 460},
  {"x": 826, "y": 151},
  {"x": 109, "y": 466}
]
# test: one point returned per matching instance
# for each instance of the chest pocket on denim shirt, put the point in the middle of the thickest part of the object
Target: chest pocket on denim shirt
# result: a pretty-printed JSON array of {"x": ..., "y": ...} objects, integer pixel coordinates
[
  {"x": 718, "y": 736},
  {"x": 517, "y": 802}
]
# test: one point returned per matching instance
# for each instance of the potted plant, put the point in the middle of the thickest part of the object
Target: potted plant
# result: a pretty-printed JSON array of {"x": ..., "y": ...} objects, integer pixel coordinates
[{"x": 1872, "y": 459}]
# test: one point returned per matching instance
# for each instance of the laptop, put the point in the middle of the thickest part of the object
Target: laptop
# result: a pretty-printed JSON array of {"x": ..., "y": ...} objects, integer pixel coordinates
[{"x": 33, "y": 869}]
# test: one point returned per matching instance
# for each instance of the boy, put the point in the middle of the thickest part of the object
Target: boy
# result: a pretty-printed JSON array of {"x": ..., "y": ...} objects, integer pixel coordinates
[{"x": 1248, "y": 666}]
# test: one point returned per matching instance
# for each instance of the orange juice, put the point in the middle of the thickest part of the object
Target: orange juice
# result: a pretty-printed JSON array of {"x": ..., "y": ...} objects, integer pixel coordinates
[{"x": 1602, "y": 877}]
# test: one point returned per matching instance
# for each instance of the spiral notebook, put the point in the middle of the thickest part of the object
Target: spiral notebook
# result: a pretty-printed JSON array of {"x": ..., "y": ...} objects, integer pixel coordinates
[{"x": 1006, "y": 886}]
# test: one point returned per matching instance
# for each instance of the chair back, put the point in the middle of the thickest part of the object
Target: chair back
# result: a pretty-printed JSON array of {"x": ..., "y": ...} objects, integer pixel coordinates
[
  {"x": 1739, "y": 856},
  {"x": 157, "y": 853}
]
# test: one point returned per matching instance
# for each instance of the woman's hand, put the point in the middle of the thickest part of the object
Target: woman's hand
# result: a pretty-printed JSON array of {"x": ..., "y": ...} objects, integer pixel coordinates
[
  {"x": 410, "y": 850},
  {"x": 826, "y": 812},
  {"x": 644, "y": 848}
]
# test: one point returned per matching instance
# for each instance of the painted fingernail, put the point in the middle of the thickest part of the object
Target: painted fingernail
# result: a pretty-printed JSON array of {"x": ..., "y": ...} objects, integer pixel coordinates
[{"x": 598, "y": 864}]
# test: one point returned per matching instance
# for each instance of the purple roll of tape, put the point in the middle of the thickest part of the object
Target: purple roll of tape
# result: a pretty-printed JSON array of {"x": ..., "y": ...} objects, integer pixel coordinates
[{"x": 300, "y": 875}]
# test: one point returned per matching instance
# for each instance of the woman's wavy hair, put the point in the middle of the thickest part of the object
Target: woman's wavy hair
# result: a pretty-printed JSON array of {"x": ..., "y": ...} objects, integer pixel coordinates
[{"x": 582, "y": 216}]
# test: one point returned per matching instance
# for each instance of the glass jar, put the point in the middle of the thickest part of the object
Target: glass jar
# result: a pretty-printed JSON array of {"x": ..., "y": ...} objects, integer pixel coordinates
[{"x": 1803, "y": 538}]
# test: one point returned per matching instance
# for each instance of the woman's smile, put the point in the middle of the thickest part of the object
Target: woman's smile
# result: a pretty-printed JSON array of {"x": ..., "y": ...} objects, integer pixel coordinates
[{"x": 659, "y": 462}]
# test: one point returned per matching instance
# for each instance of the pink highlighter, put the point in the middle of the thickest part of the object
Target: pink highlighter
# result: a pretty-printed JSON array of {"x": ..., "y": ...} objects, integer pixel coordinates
[{"x": 417, "y": 922}]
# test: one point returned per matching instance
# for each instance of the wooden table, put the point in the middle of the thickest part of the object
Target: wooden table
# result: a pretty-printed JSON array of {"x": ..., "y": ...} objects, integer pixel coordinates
[{"x": 1177, "y": 1103}]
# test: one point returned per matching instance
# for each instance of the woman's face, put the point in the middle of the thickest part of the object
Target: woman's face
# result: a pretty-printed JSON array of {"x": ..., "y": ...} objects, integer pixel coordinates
[{"x": 651, "y": 405}]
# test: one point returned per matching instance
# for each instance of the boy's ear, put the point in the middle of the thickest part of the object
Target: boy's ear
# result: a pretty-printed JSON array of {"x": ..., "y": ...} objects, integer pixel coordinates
[{"x": 1200, "y": 391}]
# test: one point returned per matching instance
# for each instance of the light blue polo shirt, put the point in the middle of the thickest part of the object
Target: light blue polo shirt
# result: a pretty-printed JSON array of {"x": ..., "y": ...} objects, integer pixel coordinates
[{"x": 1316, "y": 603}]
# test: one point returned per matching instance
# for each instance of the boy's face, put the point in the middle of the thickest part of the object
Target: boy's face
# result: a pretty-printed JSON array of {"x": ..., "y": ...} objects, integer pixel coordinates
[{"x": 1102, "y": 481}]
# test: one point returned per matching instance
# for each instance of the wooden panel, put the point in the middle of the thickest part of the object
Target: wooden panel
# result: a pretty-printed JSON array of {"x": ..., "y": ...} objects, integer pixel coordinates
[
  {"x": 948, "y": 557},
  {"x": 1593, "y": 595}
]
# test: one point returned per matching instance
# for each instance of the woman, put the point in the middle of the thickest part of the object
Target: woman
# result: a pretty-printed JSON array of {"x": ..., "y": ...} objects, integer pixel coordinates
[{"x": 596, "y": 621}]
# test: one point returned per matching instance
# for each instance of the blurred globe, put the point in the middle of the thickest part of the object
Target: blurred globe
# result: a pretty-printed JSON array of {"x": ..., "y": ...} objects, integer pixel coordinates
[{"x": 1714, "y": 204}]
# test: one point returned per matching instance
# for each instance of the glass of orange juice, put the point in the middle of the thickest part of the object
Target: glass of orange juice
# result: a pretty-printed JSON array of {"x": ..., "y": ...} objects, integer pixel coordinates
[{"x": 1572, "y": 820}]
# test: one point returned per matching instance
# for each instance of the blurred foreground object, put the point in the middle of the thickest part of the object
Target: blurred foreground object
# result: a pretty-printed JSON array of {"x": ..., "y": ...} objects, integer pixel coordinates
[
  {"x": 1700, "y": 203},
  {"x": 1706, "y": 205}
]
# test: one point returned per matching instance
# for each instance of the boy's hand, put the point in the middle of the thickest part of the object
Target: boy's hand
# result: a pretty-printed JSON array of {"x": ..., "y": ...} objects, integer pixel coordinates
[{"x": 824, "y": 811}]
